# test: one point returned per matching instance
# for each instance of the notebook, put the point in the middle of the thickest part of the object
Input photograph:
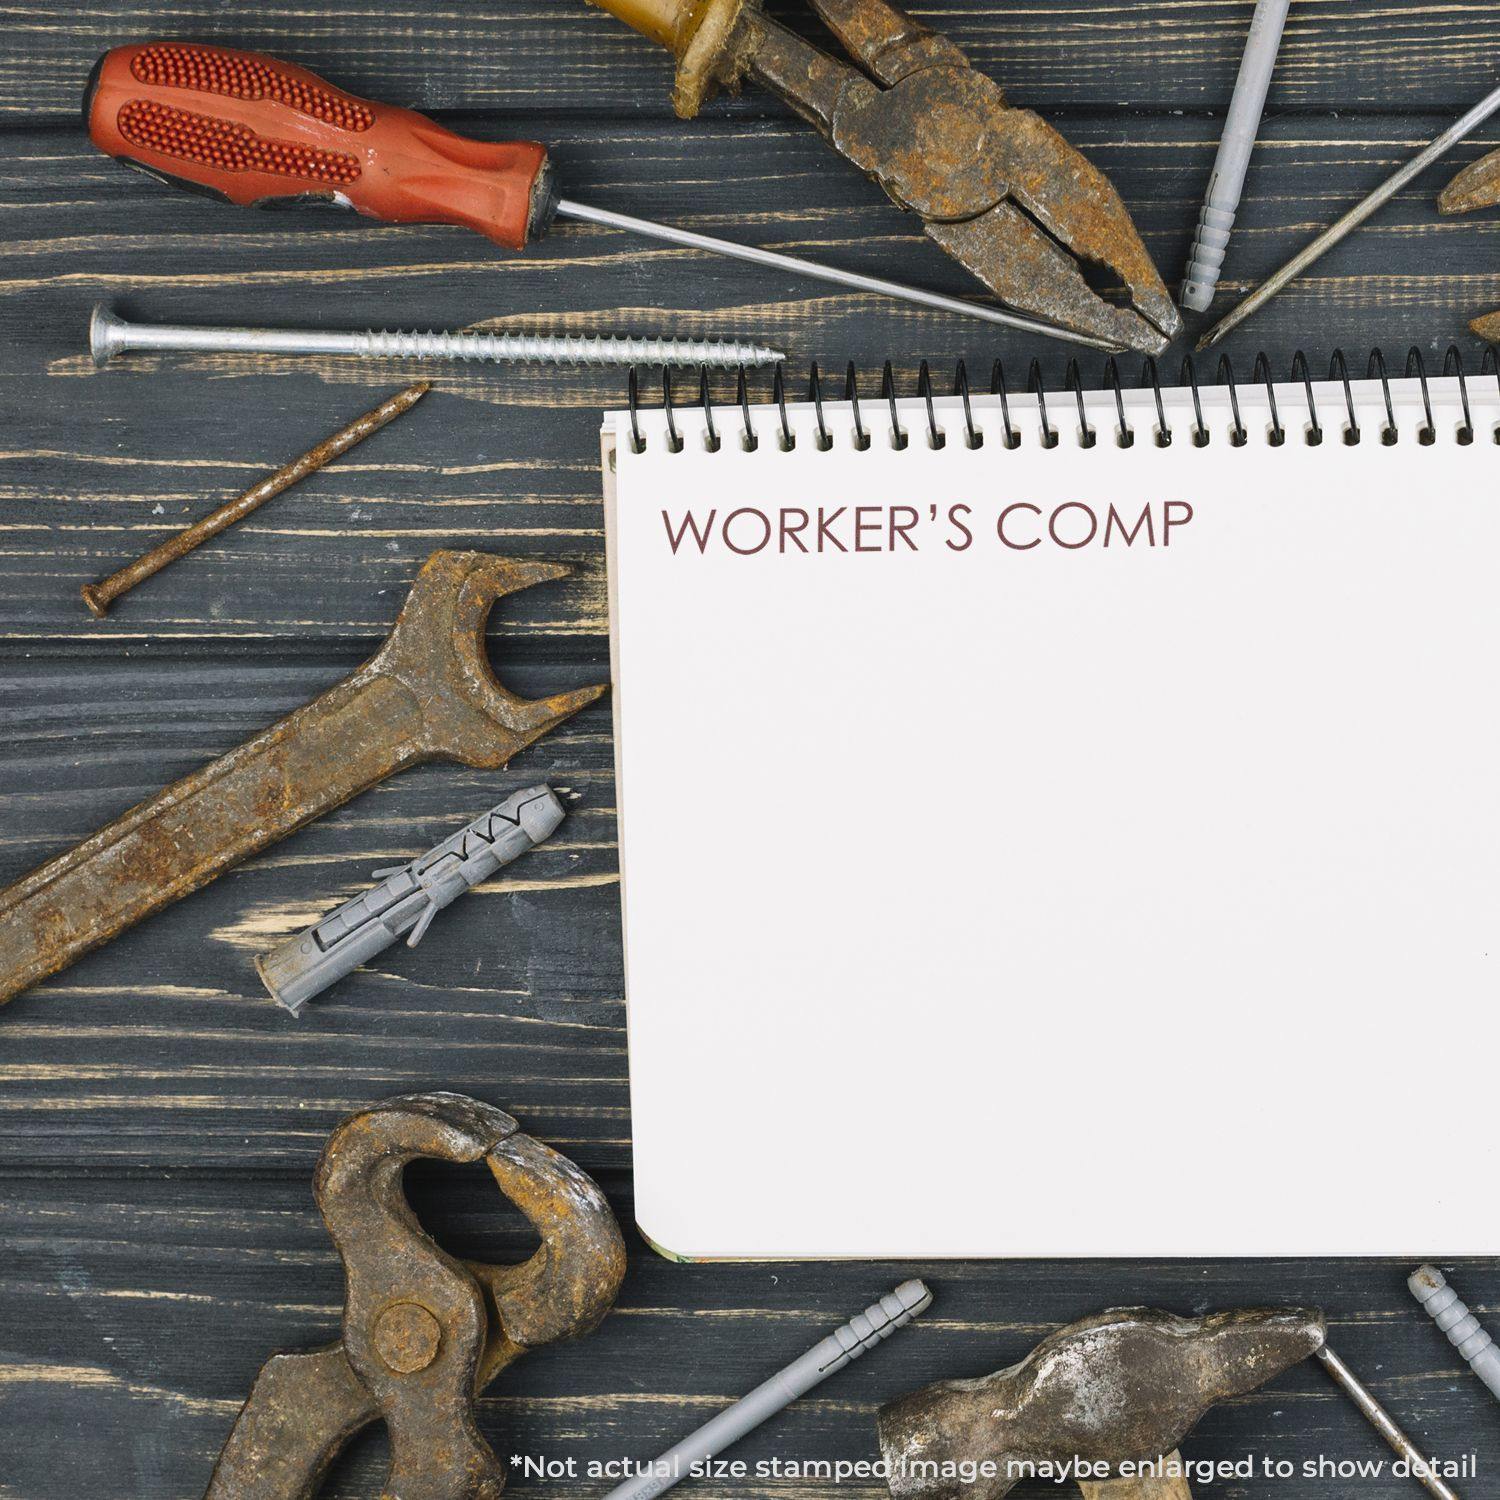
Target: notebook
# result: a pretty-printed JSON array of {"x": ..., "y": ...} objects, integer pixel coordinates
[{"x": 1062, "y": 826}]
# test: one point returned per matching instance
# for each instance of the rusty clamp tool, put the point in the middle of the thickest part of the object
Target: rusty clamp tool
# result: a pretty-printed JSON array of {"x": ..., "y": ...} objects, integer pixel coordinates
[
  {"x": 998, "y": 188},
  {"x": 423, "y": 1333},
  {"x": 1476, "y": 187},
  {"x": 428, "y": 694}
]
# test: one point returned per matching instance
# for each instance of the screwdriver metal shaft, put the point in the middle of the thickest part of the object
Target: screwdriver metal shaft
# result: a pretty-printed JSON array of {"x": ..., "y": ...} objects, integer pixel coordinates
[{"x": 754, "y": 255}]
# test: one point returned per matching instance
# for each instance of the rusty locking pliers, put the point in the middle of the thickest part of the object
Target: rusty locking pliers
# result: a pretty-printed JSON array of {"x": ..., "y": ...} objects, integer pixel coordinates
[
  {"x": 996, "y": 187},
  {"x": 423, "y": 1333}
]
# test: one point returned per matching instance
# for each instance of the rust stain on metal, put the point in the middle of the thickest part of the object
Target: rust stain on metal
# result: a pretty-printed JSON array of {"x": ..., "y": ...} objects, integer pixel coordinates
[
  {"x": 1476, "y": 187},
  {"x": 99, "y": 596},
  {"x": 996, "y": 187},
  {"x": 423, "y": 1334},
  {"x": 429, "y": 693}
]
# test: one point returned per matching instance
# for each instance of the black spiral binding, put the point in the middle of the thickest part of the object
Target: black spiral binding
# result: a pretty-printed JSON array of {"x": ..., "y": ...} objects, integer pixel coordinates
[{"x": 1124, "y": 434}]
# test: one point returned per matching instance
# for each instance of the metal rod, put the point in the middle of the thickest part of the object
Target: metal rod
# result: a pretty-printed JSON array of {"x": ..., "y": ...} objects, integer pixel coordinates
[
  {"x": 99, "y": 596},
  {"x": 1382, "y": 1421},
  {"x": 1354, "y": 218},
  {"x": 880, "y": 287},
  {"x": 111, "y": 335}
]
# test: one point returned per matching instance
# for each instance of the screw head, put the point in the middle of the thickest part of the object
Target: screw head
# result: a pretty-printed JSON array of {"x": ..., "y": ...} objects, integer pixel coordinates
[{"x": 106, "y": 335}]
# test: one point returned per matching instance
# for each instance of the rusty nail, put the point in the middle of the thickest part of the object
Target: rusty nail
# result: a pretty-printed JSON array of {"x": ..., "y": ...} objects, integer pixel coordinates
[{"x": 99, "y": 596}]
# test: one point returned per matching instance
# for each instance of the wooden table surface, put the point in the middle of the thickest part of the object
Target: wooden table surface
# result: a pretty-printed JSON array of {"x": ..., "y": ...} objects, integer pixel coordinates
[{"x": 160, "y": 1118}]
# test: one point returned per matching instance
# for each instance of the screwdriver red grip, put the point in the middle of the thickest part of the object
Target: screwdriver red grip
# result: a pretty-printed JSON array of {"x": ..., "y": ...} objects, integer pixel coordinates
[{"x": 261, "y": 132}]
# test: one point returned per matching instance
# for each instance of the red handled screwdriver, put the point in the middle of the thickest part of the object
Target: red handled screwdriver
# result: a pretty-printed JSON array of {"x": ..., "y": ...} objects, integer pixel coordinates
[{"x": 258, "y": 132}]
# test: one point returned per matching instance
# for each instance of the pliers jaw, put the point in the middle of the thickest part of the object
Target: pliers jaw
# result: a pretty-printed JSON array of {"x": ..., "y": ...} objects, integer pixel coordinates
[
  {"x": 996, "y": 187},
  {"x": 1476, "y": 187}
]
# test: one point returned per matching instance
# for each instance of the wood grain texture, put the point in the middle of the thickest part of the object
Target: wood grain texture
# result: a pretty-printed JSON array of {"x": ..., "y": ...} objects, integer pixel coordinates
[
  {"x": 94, "y": 466},
  {"x": 541, "y": 58},
  {"x": 124, "y": 1286},
  {"x": 159, "y": 1116}
]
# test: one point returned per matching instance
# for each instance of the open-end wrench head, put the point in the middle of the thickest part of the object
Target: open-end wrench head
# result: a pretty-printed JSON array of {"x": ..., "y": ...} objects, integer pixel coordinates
[{"x": 438, "y": 649}]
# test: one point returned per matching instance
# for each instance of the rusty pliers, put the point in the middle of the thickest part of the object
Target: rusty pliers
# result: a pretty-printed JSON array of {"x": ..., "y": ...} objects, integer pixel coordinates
[
  {"x": 1476, "y": 187},
  {"x": 423, "y": 1333},
  {"x": 996, "y": 187}
]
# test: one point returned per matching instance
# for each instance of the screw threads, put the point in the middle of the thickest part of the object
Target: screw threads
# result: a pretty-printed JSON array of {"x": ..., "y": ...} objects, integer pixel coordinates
[
  {"x": 1464, "y": 1331},
  {"x": 536, "y": 349},
  {"x": 110, "y": 336}
]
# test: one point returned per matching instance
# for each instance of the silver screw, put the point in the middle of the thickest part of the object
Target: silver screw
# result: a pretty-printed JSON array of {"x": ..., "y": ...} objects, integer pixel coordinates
[
  {"x": 110, "y": 335},
  {"x": 1430, "y": 1288}
]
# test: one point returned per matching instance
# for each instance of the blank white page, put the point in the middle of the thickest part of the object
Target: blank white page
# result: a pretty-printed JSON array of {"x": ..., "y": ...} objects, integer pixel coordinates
[{"x": 1125, "y": 891}]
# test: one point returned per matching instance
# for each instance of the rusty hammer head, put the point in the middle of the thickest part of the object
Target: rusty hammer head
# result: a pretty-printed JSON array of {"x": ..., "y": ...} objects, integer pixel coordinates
[
  {"x": 1123, "y": 1387},
  {"x": 437, "y": 652}
]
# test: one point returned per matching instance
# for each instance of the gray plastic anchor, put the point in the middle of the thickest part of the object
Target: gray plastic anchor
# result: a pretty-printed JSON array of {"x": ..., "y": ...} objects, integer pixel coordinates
[
  {"x": 1227, "y": 181},
  {"x": 407, "y": 899},
  {"x": 1430, "y": 1287},
  {"x": 841, "y": 1348}
]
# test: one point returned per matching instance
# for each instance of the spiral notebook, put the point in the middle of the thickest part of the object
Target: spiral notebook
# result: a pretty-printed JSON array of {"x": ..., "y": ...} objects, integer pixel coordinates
[{"x": 1066, "y": 825}]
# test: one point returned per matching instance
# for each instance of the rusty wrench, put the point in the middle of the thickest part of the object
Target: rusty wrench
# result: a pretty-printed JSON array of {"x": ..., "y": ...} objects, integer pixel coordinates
[
  {"x": 423, "y": 1333},
  {"x": 428, "y": 694}
]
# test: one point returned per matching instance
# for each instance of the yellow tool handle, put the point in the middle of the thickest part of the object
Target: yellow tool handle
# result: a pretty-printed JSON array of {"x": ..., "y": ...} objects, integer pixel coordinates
[
  {"x": 700, "y": 34},
  {"x": 670, "y": 22}
]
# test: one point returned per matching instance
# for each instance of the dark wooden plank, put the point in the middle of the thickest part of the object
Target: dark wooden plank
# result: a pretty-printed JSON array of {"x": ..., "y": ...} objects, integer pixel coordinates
[
  {"x": 140, "y": 1311},
  {"x": 159, "y": 1116},
  {"x": 562, "y": 56},
  {"x": 94, "y": 466},
  {"x": 164, "y": 1047}
]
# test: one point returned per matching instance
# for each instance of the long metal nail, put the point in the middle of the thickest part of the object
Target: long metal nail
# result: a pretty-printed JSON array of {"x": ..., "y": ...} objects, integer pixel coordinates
[
  {"x": 1353, "y": 219},
  {"x": 1383, "y": 1423},
  {"x": 110, "y": 335},
  {"x": 99, "y": 596}
]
